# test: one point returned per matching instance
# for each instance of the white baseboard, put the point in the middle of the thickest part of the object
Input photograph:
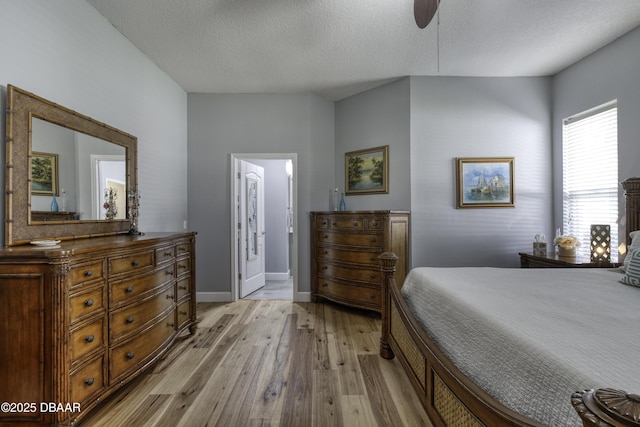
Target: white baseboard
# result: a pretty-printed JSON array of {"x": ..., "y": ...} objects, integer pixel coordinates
[
  {"x": 213, "y": 297},
  {"x": 277, "y": 276}
]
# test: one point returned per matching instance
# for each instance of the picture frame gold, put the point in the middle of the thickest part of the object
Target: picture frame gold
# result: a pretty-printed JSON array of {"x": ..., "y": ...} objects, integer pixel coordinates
[
  {"x": 367, "y": 171},
  {"x": 485, "y": 182},
  {"x": 44, "y": 174}
]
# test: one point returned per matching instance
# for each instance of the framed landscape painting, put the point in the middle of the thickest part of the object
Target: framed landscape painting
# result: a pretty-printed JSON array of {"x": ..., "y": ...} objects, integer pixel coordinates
[
  {"x": 44, "y": 174},
  {"x": 367, "y": 171},
  {"x": 485, "y": 182}
]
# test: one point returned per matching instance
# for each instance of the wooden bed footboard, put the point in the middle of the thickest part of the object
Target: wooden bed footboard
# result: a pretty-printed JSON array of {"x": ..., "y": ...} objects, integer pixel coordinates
[{"x": 450, "y": 398}]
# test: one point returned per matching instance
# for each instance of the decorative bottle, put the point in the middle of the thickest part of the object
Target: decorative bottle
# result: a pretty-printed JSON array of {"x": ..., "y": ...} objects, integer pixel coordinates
[
  {"x": 54, "y": 204},
  {"x": 343, "y": 206}
]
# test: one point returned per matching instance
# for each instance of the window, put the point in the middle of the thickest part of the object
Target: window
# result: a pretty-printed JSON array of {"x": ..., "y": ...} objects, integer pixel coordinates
[{"x": 590, "y": 174}]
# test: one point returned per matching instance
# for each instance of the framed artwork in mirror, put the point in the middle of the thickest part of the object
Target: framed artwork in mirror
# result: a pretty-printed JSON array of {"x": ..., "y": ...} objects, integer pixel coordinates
[
  {"x": 44, "y": 174},
  {"x": 485, "y": 182},
  {"x": 367, "y": 171}
]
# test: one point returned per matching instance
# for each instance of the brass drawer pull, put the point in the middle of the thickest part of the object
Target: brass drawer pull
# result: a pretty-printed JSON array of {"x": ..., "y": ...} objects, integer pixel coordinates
[
  {"x": 130, "y": 320},
  {"x": 182, "y": 249},
  {"x": 183, "y": 287},
  {"x": 88, "y": 273},
  {"x": 169, "y": 273},
  {"x": 89, "y": 339},
  {"x": 171, "y": 324},
  {"x": 89, "y": 381},
  {"x": 88, "y": 302},
  {"x": 182, "y": 266},
  {"x": 167, "y": 254},
  {"x": 170, "y": 296},
  {"x": 131, "y": 355},
  {"x": 183, "y": 312},
  {"x": 129, "y": 289},
  {"x": 135, "y": 263}
]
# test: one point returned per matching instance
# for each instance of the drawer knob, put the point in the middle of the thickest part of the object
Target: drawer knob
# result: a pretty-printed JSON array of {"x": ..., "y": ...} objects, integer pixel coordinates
[
  {"x": 183, "y": 266},
  {"x": 372, "y": 275},
  {"x": 171, "y": 324},
  {"x": 169, "y": 272},
  {"x": 324, "y": 285},
  {"x": 130, "y": 319},
  {"x": 183, "y": 312},
  {"x": 90, "y": 338},
  {"x": 182, "y": 287},
  {"x": 129, "y": 289},
  {"x": 326, "y": 236},
  {"x": 135, "y": 263},
  {"x": 325, "y": 268},
  {"x": 372, "y": 296},
  {"x": 89, "y": 381},
  {"x": 170, "y": 296},
  {"x": 373, "y": 239},
  {"x": 167, "y": 254},
  {"x": 372, "y": 258},
  {"x": 182, "y": 249},
  {"x": 355, "y": 224},
  {"x": 88, "y": 302},
  {"x": 88, "y": 273},
  {"x": 131, "y": 355}
]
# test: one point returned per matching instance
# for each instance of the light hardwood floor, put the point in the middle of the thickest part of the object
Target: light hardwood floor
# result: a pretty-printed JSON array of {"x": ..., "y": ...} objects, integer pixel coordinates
[{"x": 270, "y": 363}]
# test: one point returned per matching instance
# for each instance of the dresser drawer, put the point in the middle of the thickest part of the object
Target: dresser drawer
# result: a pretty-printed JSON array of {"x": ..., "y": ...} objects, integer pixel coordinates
[
  {"x": 356, "y": 239},
  {"x": 183, "y": 248},
  {"x": 345, "y": 255},
  {"x": 129, "y": 263},
  {"x": 375, "y": 223},
  {"x": 86, "y": 303},
  {"x": 86, "y": 339},
  {"x": 133, "y": 353},
  {"x": 183, "y": 287},
  {"x": 184, "y": 313},
  {"x": 346, "y": 223},
  {"x": 130, "y": 319},
  {"x": 123, "y": 291},
  {"x": 362, "y": 275},
  {"x": 350, "y": 293},
  {"x": 86, "y": 272},
  {"x": 165, "y": 254},
  {"x": 88, "y": 380}
]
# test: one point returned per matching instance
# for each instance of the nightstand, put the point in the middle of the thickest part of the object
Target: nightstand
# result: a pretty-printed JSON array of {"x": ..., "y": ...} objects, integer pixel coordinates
[{"x": 551, "y": 260}]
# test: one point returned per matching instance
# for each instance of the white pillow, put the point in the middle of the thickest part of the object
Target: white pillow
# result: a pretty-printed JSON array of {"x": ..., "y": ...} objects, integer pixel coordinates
[{"x": 632, "y": 272}]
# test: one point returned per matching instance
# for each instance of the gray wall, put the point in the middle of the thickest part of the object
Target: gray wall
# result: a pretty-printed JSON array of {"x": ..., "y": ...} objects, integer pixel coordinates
[
  {"x": 374, "y": 118},
  {"x": 68, "y": 53},
  {"x": 478, "y": 117},
  {"x": 613, "y": 72},
  {"x": 221, "y": 124}
]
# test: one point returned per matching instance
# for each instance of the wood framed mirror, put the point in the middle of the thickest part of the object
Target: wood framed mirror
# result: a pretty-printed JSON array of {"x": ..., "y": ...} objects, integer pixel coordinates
[{"x": 39, "y": 131}]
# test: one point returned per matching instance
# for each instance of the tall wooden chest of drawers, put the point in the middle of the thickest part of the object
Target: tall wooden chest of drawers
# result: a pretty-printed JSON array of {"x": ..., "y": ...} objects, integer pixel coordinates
[
  {"x": 344, "y": 254},
  {"x": 80, "y": 319}
]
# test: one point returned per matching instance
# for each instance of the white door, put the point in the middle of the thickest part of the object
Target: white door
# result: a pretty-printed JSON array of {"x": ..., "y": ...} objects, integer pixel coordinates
[{"x": 251, "y": 214}]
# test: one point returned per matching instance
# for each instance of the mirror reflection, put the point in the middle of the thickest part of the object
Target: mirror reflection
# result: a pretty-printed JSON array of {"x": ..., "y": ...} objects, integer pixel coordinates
[{"x": 75, "y": 176}]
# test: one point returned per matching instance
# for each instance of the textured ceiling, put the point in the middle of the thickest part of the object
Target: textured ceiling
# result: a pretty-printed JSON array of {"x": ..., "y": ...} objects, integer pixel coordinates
[{"x": 337, "y": 48}]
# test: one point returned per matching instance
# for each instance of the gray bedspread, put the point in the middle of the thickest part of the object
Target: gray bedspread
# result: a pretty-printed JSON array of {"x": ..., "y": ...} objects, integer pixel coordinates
[{"x": 531, "y": 337}]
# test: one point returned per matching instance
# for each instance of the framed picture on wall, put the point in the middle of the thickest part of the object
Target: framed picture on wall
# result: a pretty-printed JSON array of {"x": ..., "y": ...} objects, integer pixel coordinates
[
  {"x": 485, "y": 182},
  {"x": 44, "y": 174},
  {"x": 367, "y": 171}
]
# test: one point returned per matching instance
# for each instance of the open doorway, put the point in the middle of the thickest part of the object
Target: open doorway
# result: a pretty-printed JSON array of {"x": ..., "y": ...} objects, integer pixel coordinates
[{"x": 272, "y": 236}]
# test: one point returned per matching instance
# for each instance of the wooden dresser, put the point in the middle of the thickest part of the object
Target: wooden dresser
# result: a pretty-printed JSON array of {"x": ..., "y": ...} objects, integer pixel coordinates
[
  {"x": 83, "y": 318},
  {"x": 344, "y": 254}
]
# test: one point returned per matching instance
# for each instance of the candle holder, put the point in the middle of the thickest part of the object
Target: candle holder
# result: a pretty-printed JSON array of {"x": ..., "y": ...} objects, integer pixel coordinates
[
  {"x": 600, "y": 243},
  {"x": 133, "y": 204}
]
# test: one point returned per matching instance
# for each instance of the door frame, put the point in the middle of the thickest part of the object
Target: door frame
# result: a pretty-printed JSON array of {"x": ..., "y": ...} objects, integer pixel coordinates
[{"x": 235, "y": 193}]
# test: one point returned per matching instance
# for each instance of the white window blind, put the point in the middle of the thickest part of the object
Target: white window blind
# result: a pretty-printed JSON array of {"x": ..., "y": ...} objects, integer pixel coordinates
[{"x": 590, "y": 174}]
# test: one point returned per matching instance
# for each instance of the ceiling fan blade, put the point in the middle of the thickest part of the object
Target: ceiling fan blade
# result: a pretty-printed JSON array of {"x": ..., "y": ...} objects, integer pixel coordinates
[{"x": 424, "y": 11}]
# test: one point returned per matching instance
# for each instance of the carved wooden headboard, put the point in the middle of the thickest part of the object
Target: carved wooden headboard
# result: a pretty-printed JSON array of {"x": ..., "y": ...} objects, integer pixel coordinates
[{"x": 631, "y": 188}]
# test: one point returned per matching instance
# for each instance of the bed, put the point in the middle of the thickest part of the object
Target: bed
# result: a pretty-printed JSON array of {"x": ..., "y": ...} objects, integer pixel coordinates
[{"x": 519, "y": 347}]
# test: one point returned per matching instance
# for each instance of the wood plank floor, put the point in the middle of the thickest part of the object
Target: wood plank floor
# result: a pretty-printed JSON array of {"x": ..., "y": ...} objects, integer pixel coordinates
[{"x": 270, "y": 363}]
